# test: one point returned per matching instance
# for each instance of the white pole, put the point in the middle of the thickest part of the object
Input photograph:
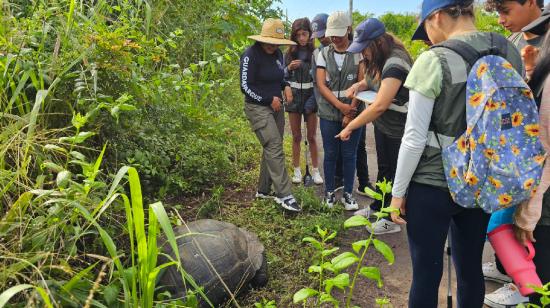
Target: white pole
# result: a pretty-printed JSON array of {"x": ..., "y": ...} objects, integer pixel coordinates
[{"x": 351, "y": 9}]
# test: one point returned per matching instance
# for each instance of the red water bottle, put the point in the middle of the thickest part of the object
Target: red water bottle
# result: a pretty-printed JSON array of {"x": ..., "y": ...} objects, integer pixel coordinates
[{"x": 517, "y": 261}]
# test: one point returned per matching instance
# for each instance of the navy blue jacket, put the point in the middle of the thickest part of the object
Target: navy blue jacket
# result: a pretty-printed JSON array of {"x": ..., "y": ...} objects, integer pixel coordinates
[{"x": 262, "y": 75}]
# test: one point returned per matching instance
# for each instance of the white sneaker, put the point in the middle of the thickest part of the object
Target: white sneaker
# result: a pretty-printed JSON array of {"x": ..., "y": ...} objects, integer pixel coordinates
[
  {"x": 491, "y": 272},
  {"x": 317, "y": 179},
  {"x": 384, "y": 226},
  {"x": 297, "y": 177},
  {"x": 330, "y": 199},
  {"x": 507, "y": 296},
  {"x": 349, "y": 202},
  {"x": 363, "y": 212}
]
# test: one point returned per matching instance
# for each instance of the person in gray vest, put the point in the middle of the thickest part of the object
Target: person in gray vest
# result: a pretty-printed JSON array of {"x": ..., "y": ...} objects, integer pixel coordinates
[
  {"x": 384, "y": 70},
  {"x": 336, "y": 71},
  {"x": 298, "y": 75},
  {"x": 262, "y": 83},
  {"x": 437, "y": 105}
]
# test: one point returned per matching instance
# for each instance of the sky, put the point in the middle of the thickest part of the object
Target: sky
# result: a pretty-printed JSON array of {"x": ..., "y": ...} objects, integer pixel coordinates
[{"x": 309, "y": 8}]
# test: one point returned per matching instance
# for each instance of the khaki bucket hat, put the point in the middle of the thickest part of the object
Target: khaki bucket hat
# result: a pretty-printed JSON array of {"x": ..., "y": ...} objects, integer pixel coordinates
[{"x": 273, "y": 32}]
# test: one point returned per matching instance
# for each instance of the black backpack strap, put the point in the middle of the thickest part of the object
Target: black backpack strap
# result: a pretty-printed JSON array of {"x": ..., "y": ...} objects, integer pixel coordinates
[{"x": 499, "y": 47}]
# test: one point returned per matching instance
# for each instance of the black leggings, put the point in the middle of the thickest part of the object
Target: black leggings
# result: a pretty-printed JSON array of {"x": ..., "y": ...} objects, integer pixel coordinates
[
  {"x": 542, "y": 258},
  {"x": 430, "y": 212}
]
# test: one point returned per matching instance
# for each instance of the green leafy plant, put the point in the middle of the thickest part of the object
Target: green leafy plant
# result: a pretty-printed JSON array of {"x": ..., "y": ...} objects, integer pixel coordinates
[
  {"x": 544, "y": 293},
  {"x": 332, "y": 272}
]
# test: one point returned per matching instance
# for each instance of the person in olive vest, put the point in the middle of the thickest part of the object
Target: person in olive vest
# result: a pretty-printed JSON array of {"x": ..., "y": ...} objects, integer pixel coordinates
[
  {"x": 437, "y": 96},
  {"x": 386, "y": 64},
  {"x": 262, "y": 83},
  {"x": 336, "y": 71},
  {"x": 298, "y": 75}
]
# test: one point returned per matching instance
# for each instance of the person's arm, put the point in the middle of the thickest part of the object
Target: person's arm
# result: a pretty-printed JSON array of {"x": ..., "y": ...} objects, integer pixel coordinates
[
  {"x": 388, "y": 90},
  {"x": 248, "y": 67},
  {"x": 412, "y": 146}
]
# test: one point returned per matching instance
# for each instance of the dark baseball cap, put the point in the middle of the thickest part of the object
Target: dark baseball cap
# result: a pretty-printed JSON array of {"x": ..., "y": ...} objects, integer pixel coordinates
[
  {"x": 428, "y": 7},
  {"x": 538, "y": 26},
  {"x": 365, "y": 33},
  {"x": 319, "y": 25}
]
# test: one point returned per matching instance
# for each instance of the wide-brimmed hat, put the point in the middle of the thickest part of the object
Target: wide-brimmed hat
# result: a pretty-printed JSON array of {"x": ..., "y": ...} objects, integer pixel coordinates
[
  {"x": 428, "y": 7},
  {"x": 365, "y": 33},
  {"x": 538, "y": 26},
  {"x": 273, "y": 32},
  {"x": 338, "y": 23},
  {"x": 319, "y": 25}
]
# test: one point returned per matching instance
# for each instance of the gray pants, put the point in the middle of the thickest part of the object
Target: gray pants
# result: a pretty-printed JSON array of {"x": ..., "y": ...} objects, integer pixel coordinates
[{"x": 269, "y": 127}]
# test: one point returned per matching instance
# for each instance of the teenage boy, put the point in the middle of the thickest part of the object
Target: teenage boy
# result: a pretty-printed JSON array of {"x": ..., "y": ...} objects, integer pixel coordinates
[{"x": 512, "y": 15}]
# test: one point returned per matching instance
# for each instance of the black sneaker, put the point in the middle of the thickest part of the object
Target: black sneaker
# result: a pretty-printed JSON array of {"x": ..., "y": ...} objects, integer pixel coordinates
[
  {"x": 330, "y": 199},
  {"x": 349, "y": 202},
  {"x": 262, "y": 195},
  {"x": 361, "y": 190},
  {"x": 338, "y": 183},
  {"x": 289, "y": 203}
]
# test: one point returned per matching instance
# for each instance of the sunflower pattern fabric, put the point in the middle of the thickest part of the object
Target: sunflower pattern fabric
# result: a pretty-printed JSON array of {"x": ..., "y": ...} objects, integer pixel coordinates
[{"x": 497, "y": 162}]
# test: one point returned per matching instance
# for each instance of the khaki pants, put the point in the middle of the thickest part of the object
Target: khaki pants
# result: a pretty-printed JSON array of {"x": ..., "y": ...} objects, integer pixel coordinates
[{"x": 269, "y": 127}]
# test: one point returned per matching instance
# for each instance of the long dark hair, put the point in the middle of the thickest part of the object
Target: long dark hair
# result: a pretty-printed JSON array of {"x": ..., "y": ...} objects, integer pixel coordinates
[
  {"x": 542, "y": 68},
  {"x": 292, "y": 51},
  {"x": 381, "y": 49}
]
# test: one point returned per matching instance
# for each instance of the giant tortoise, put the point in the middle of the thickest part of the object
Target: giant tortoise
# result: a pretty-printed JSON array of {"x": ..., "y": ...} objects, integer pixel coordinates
[{"x": 210, "y": 250}]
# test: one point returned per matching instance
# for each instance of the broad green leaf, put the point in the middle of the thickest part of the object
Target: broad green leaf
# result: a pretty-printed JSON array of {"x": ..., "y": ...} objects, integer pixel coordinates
[
  {"x": 81, "y": 137},
  {"x": 331, "y": 236},
  {"x": 343, "y": 255},
  {"x": 373, "y": 194},
  {"x": 327, "y": 252},
  {"x": 380, "y": 215},
  {"x": 385, "y": 250},
  {"x": 328, "y": 266},
  {"x": 51, "y": 166},
  {"x": 322, "y": 232},
  {"x": 341, "y": 281},
  {"x": 303, "y": 294},
  {"x": 327, "y": 298},
  {"x": 372, "y": 273},
  {"x": 63, "y": 178},
  {"x": 345, "y": 263},
  {"x": 314, "y": 269},
  {"x": 315, "y": 243},
  {"x": 110, "y": 294},
  {"x": 360, "y": 244},
  {"x": 356, "y": 221},
  {"x": 53, "y": 147},
  {"x": 385, "y": 186}
]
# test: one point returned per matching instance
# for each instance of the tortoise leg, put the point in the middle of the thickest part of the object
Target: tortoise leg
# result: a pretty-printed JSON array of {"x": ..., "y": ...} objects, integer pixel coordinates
[{"x": 261, "y": 277}]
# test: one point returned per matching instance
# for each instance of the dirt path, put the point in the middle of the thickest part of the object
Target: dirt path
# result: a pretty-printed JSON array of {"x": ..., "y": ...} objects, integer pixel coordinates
[{"x": 396, "y": 277}]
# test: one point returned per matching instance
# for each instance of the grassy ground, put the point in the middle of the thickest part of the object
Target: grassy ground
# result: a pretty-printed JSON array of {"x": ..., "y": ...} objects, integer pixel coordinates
[{"x": 281, "y": 233}]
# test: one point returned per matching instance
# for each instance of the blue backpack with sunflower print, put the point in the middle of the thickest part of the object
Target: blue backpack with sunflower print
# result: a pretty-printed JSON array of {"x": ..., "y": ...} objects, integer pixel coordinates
[{"x": 497, "y": 162}]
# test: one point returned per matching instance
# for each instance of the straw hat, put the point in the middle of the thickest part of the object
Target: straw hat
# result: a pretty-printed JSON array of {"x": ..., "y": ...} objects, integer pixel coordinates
[{"x": 273, "y": 32}]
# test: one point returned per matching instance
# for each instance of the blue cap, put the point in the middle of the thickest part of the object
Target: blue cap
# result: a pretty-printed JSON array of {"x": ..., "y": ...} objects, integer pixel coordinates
[
  {"x": 365, "y": 33},
  {"x": 319, "y": 25},
  {"x": 428, "y": 7}
]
